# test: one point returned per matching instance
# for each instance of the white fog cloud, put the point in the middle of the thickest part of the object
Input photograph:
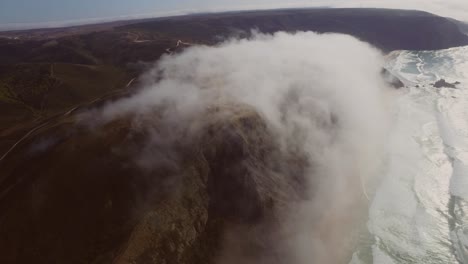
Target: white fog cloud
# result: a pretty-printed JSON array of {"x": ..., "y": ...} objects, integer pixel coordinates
[{"x": 320, "y": 94}]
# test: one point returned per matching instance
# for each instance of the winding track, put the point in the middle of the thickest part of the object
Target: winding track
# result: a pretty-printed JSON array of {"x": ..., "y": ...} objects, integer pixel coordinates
[
  {"x": 23, "y": 138},
  {"x": 69, "y": 112}
]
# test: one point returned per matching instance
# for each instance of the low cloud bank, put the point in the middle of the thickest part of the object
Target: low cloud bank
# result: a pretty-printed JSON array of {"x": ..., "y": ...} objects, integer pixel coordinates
[{"x": 320, "y": 95}]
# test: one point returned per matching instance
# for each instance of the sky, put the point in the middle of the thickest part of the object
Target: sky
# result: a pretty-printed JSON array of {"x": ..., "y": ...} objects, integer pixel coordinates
[{"x": 49, "y": 13}]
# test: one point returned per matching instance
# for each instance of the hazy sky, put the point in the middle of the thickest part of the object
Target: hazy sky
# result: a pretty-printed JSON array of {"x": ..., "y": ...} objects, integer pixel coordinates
[{"x": 33, "y": 13}]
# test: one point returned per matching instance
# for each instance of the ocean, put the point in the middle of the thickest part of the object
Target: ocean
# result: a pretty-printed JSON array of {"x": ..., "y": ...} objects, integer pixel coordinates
[{"x": 419, "y": 205}]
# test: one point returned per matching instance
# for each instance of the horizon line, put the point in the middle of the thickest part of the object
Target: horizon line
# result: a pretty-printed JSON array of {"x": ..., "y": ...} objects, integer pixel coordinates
[{"x": 12, "y": 27}]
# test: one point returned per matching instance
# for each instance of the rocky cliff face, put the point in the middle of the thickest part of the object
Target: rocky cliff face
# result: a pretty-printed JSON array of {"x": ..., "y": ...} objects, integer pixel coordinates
[{"x": 87, "y": 197}]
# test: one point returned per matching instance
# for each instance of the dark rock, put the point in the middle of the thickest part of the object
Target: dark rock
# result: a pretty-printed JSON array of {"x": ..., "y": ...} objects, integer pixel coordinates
[
  {"x": 442, "y": 83},
  {"x": 391, "y": 79}
]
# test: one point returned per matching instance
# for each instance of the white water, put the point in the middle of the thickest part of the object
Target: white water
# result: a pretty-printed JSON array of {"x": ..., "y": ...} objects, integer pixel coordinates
[{"x": 418, "y": 213}]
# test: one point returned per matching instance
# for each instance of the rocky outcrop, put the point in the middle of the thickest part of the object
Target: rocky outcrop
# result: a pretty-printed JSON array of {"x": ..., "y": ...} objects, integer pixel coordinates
[{"x": 442, "y": 83}]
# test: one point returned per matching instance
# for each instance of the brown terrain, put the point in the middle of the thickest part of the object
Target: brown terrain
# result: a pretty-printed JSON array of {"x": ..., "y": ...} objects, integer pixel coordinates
[{"x": 70, "y": 193}]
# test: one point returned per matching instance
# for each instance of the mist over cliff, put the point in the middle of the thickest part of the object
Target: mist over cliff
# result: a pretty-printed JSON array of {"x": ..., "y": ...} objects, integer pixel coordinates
[{"x": 301, "y": 123}]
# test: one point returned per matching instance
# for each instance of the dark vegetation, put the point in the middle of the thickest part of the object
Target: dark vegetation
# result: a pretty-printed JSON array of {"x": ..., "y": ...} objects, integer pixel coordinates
[{"x": 69, "y": 194}]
